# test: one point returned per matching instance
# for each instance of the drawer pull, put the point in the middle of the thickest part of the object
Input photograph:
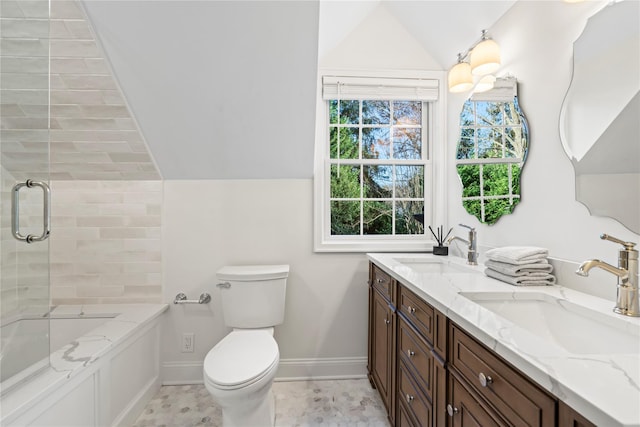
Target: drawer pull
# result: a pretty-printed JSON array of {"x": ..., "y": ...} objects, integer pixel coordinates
[
  {"x": 380, "y": 280},
  {"x": 409, "y": 398},
  {"x": 451, "y": 410},
  {"x": 411, "y": 309},
  {"x": 484, "y": 379},
  {"x": 411, "y": 353},
  {"x": 387, "y": 321}
]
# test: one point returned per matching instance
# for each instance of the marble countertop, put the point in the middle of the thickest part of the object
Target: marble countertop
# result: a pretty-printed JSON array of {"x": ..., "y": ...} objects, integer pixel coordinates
[
  {"x": 605, "y": 388},
  {"x": 76, "y": 357}
]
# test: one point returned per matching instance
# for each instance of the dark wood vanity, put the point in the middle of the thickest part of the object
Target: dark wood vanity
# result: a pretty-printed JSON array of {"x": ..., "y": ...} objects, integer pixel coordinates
[{"x": 431, "y": 372}]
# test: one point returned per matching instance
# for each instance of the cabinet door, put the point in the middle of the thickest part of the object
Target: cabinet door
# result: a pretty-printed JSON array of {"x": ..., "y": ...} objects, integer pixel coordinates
[
  {"x": 382, "y": 345},
  {"x": 466, "y": 410}
]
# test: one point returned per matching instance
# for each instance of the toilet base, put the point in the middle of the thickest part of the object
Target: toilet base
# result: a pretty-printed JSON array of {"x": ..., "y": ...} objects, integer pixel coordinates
[{"x": 263, "y": 414}]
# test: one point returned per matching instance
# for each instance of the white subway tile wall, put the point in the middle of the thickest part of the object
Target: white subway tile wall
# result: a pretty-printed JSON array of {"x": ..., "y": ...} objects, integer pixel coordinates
[
  {"x": 105, "y": 242},
  {"x": 93, "y": 135}
]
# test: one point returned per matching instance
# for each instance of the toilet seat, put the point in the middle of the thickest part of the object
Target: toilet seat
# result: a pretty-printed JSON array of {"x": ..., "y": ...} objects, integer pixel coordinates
[{"x": 240, "y": 359}]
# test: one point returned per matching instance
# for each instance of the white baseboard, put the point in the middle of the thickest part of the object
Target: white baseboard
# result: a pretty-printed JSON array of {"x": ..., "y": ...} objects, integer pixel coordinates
[
  {"x": 329, "y": 368},
  {"x": 179, "y": 373},
  {"x": 325, "y": 368}
]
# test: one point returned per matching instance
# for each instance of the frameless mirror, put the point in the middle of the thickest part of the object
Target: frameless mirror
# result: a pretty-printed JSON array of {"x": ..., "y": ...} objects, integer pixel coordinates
[
  {"x": 599, "y": 122},
  {"x": 492, "y": 149}
]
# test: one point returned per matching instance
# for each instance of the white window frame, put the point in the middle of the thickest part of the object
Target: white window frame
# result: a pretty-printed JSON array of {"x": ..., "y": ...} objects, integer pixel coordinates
[{"x": 436, "y": 129}]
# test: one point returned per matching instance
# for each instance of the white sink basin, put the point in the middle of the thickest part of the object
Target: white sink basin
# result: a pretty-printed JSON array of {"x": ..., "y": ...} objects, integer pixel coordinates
[
  {"x": 431, "y": 266},
  {"x": 577, "y": 329}
]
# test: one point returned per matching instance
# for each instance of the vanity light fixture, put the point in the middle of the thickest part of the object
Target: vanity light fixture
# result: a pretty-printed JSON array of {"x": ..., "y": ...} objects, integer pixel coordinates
[{"x": 484, "y": 59}]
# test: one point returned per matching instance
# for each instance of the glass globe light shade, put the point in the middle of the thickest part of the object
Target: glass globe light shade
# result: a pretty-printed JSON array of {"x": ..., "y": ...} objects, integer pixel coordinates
[
  {"x": 486, "y": 83},
  {"x": 460, "y": 78},
  {"x": 485, "y": 58}
]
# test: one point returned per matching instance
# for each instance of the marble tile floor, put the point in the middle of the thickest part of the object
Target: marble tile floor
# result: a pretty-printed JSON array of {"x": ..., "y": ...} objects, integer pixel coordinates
[{"x": 340, "y": 403}]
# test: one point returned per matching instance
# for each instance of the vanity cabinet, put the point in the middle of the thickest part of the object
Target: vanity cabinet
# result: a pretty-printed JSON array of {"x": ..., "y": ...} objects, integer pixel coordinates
[
  {"x": 382, "y": 336},
  {"x": 430, "y": 372}
]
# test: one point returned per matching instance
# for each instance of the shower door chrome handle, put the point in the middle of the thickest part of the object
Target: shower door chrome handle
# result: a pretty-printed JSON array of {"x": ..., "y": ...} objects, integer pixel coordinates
[{"x": 15, "y": 211}]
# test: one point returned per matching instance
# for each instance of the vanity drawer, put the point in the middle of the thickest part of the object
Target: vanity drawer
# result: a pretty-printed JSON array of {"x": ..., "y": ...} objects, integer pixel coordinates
[
  {"x": 382, "y": 282},
  {"x": 416, "y": 403},
  {"x": 403, "y": 419},
  {"x": 465, "y": 409},
  {"x": 519, "y": 401},
  {"x": 417, "y": 357},
  {"x": 419, "y": 313}
]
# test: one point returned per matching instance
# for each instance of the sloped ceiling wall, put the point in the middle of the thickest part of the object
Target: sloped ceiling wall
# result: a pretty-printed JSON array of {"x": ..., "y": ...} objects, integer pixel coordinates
[
  {"x": 221, "y": 89},
  {"x": 226, "y": 89}
]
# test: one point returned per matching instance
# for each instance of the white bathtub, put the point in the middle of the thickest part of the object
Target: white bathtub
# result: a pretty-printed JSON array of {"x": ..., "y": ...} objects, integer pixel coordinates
[
  {"x": 104, "y": 367},
  {"x": 26, "y": 343}
]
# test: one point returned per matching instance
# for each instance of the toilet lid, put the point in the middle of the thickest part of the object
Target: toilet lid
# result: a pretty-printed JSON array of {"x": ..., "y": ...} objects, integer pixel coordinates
[{"x": 241, "y": 357}]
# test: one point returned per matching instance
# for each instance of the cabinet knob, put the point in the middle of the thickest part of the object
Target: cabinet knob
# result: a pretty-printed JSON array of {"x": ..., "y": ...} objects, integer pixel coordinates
[
  {"x": 411, "y": 353},
  {"x": 451, "y": 410},
  {"x": 411, "y": 309},
  {"x": 409, "y": 398},
  {"x": 380, "y": 280},
  {"x": 387, "y": 321},
  {"x": 484, "y": 379}
]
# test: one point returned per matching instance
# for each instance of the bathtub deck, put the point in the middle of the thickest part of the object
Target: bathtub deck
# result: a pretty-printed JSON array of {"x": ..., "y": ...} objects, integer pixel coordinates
[{"x": 78, "y": 356}]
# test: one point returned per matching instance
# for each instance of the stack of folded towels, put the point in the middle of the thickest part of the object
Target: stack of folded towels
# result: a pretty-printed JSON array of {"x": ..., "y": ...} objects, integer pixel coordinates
[{"x": 520, "y": 265}]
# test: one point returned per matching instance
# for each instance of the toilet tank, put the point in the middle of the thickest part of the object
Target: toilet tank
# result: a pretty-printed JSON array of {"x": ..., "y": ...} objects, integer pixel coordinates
[{"x": 255, "y": 296}]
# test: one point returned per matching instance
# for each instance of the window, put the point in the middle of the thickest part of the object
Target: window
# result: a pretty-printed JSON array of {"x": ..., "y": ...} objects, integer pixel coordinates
[
  {"x": 375, "y": 171},
  {"x": 377, "y": 161}
]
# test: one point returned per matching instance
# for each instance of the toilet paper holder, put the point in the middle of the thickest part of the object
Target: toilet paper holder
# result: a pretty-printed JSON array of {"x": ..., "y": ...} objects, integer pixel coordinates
[{"x": 181, "y": 298}]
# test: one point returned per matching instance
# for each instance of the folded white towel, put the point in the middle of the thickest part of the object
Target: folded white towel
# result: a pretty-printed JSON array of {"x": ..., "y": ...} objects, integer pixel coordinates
[
  {"x": 532, "y": 269},
  {"x": 517, "y": 255},
  {"x": 548, "y": 279}
]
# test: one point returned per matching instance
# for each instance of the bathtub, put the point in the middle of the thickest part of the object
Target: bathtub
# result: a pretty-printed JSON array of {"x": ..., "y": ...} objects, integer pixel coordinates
[
  {"x": 24, "y": 342},
  {"x": 103, "y": 367}
]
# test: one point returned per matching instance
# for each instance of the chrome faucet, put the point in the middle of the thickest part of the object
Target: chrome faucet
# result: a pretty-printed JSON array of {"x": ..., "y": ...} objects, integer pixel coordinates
[
  {"x": 472, "y": 253},
  {"x": 628, "y": 298}
]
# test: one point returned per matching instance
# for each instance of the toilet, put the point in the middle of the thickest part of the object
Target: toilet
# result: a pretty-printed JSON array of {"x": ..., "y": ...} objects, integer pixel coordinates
[{"x": 239, "y": 370}]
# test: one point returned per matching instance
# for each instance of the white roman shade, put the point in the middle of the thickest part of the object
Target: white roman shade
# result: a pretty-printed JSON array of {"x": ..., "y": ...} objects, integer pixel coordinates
[
  {"x": 504, "y": 90},
  {"x": 399, "y": 89}
]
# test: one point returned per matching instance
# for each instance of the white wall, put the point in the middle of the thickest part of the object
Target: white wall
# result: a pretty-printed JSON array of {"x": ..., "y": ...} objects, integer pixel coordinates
[
  {"x": 208, "y": 224},
  {"x": 536, "y": 40}
]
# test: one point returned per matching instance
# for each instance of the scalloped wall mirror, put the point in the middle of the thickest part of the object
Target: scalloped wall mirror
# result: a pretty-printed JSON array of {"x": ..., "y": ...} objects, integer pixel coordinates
[
  {"x": 492, "y": 149},
  {"x": 599, "y": 125}
]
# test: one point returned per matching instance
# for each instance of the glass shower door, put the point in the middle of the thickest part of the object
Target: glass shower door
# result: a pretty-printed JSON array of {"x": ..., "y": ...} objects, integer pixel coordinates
[{"x": 24, "y": 179}]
